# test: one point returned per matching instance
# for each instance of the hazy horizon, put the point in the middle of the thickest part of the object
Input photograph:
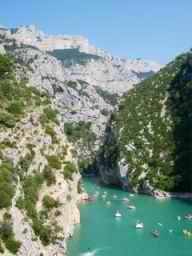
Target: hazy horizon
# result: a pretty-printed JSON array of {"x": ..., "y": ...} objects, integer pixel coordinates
[{"x": 125, "y": 28}]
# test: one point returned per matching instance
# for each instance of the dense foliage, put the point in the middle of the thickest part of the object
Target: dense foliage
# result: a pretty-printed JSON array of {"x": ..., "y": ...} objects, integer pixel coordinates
[
  {"x": 152, "y": 130},
  {"x": 7, "y": 235},
  {"x": 110, "y": 98},
  {"x": 15, "y": 97},
  {"x": 79, "y": 131},
  {"x": 73, "y": 56},
  {"x": 7, "y": 187}
]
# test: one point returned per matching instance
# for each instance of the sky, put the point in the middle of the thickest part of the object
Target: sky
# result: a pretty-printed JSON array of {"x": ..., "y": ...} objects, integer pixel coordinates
[{"x": 150, "y": 29}]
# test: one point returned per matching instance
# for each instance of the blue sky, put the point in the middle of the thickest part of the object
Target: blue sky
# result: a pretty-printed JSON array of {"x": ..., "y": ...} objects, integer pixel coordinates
[{"x": 150, "y": 29}]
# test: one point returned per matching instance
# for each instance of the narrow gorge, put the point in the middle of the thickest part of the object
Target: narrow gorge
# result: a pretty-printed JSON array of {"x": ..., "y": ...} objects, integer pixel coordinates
[{"x": 69, "y": 109}]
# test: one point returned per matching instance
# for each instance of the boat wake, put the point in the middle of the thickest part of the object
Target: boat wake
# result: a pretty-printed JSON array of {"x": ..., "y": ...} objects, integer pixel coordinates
[{"x": 93, "y": 253}]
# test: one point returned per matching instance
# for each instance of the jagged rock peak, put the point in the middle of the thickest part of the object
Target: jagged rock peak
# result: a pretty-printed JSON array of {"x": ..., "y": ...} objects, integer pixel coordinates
[{"x": 30, "y": 35}]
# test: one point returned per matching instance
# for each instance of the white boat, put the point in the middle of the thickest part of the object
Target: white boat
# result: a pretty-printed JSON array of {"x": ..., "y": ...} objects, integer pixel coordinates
[
  {"x": 131, "y": 207},
  {"x": 139, "y": 225},
  {"x": 115, "y": 196},
  {"x": 118, "y": 214},
  {"x": 108, "y": 203},
  {"x": 132, "y": 195},
  {"x": 104, "y": 196},
  {"x": 188, "y": 216},
  {"x": 125, "y": 199}
]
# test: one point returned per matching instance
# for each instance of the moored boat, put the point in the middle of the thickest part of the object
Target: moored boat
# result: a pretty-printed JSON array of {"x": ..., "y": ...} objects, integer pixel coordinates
[
  {"x": 131, "y": 207},
  {"x": 155, "y": 233},
  {"x": 118, "y": 214},
  {"x": 139, "y": 225},
  {"x": 188, "y": 216},
  {"x": 125, "y": 199}
]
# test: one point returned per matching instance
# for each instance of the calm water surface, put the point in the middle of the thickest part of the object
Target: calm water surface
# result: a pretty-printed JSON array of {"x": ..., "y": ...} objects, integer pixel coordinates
[{"x": 100, "y": 234}]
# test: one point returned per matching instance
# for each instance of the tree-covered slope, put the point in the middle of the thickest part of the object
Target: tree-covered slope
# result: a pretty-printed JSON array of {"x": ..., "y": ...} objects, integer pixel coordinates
[{"x": 151, "y": 133}]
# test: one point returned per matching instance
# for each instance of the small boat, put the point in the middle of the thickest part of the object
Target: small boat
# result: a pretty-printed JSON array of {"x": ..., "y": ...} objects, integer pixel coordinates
[
  {"x": 132, "y": 195},
  {"x": 108, "y": 203},
  {"x": 188, "y": 216},
  {"x": 160, "y": 224},
  {"x": 155, "y": 233},
  {"x": 178, "y": 218},
  {"x": 139, "y": 225},
  {"x": 118, "y": 214},
  {"x": 115, "y": 196},
  {"x": 131, "y": 207},
  {"x": 104, "y": 196},
  {"x": 125, "y": 199}
]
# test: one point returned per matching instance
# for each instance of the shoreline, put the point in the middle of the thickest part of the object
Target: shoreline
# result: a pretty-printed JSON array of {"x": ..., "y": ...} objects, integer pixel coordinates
[
  {"x": 158, "y": 194},
  {"x": 169, "y": 195}
]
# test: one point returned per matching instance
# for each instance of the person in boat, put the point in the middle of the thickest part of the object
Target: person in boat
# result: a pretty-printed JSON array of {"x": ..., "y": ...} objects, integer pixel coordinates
[{"x": 156, "y": 233}]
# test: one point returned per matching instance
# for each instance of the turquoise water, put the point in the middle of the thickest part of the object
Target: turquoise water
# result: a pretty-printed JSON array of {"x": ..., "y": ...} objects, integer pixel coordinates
[{"x": 100, "y": 234}]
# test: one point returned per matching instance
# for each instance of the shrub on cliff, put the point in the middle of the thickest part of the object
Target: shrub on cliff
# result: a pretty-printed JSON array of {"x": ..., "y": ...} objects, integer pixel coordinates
[
  {"x": 49, "y": 202},
  {"x": 54, "y": 161},
  {"x": 7, "y": 187},
  {"x": 69, "y": 169}
]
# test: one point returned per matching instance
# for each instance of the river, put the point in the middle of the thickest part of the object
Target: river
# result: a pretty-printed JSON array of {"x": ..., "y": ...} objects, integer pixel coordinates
[{"x": 101, "y": 234}]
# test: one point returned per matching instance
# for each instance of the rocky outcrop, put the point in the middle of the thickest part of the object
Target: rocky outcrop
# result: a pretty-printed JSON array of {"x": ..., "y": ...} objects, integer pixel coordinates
[{"x": 31, "y": 36}]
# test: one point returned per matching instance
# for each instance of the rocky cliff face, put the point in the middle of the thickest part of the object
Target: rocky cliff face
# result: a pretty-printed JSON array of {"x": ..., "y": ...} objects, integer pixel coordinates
[
  {"x": 39, "y": 181},
  {"x": 148, "y": 140},
  {"x": 83, "y": 81}
]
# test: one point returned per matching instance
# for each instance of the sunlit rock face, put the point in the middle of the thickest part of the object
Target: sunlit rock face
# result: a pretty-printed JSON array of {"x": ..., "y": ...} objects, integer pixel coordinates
[{"x": 83, "y": 81}]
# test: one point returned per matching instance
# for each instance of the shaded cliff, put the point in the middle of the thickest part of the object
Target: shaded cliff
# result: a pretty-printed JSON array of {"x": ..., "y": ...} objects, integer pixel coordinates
[{"x": 151, "y": 133}]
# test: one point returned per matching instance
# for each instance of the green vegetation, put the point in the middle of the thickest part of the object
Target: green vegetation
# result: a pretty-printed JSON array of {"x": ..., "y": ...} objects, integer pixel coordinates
[
  {"x": 7, "y": 236},
  {"x": 31, "y": 187},
  {"x": 73, "y": 56},
  {"x": 54, "y": 161},
  {"x": 5, "y": 66},
  {"x": 79, "y": 131},
  {"x": 24, "y": 163},
  {"x": 50, "y": 131},
  {"x": 151, "y": 130},
  {"x": 50, "y": 203},
  {"x": 7, "y": 144},
  {"x": 69, "y": 169},
  {"x": 7, "y": 187},
  {"x": 49, "y": 176},
  {"x": 49, "y": 115},
  {"x": 108, "y": 97},
  {"x": 15, "y": 97}
]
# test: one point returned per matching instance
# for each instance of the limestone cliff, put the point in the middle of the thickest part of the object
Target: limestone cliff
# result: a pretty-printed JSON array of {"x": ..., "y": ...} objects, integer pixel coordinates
[{"x": 39, "y": 180}]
